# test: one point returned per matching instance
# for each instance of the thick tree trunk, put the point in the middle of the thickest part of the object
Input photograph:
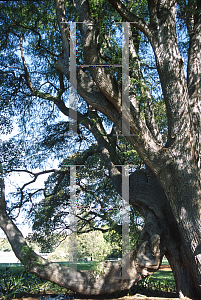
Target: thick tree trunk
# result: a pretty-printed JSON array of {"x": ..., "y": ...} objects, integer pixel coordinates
[
  {"x": 172, "y": 209},
  {"x": 182, "y": 257},
  {"x": 180, "y": 173},
  {"x": 185, "y": 203},
  {"x": 145, "y": 260},
  {"x": 178, "y": 221},
  {"x": 160, "y": 236},
  {"x": 185, "y": 283}
]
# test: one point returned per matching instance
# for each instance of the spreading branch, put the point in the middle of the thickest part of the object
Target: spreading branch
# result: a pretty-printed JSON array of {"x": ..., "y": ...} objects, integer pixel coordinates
[
  {"x": 129, "y": 16},
  {"x": 2, "y": 199},
  {"x": 145, "y": 260}
]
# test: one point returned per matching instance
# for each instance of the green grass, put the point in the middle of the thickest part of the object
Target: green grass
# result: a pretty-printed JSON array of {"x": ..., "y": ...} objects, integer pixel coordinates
[
  {"x": 159, "y": 275},
  {"x": 15, "y": 281},
  {"x": 13, "y": 268},
  {"x": 161, "y": 280},
  {"x": 80, "y": 266},
  {"x": 165, "y": 262},
  {"x": 162, "y": 276}
]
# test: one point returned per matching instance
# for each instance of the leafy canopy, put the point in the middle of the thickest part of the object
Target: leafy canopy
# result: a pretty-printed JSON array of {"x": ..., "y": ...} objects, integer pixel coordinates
[{"x": 31, "y": 43}]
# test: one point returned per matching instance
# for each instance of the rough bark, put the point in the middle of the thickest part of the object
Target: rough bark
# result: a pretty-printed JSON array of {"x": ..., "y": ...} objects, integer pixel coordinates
[
  {"x": 177, "y": 168},
  {"x": 160, "y": 236},
  {"x": 181, "y": 179},
  {"x": 167, "y": 194},
  {"x": 145, "y": 260}
]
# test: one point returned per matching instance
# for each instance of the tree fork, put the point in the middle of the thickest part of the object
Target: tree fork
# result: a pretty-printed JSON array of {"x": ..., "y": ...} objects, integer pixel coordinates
[{"x": 145, "y": 260}]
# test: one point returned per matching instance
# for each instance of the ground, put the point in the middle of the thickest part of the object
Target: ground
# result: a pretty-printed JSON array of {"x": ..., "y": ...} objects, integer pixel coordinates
[
  {"x": 137, "y": 296},
  {"x": 123, "y": 298}
]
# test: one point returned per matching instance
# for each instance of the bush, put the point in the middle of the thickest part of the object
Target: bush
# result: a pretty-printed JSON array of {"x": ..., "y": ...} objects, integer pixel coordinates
[{"x": 17, "y": 281}]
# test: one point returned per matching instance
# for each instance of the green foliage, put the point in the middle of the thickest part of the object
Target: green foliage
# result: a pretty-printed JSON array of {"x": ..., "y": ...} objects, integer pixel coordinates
[
  {"x": 114, "y": 238},
  {"x": 93, "y": 245},
  {"x": 166, "y": 276},
  {"x": 150, "y": 287},
  {"x": 97, "y": 202},
  {"x": 15, "y": 282},
  {"x": 42, "y": 133},
  {"x": 128, "y": 155},
  {"x": 29, "y": 257}
]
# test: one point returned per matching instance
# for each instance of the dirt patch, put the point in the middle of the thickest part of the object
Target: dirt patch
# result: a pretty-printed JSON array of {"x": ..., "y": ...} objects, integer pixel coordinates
[
  {"x": 148, "y": 298},
  {"x": 123, "y": 298},
  {"x": 136, "y": 297},
  {"x": 165, "y": 268}
]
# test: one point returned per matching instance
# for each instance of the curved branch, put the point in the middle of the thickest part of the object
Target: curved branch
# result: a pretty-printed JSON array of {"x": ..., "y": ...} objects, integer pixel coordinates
[
  {"x": 145, "y": 92},
  {"x": 127, "y": 15},
  {"x": 57, "y": 100},
  {"x": 40, "y": 38},
  {"x": 86, "y": 87},
  {"x": 105, "y": 82},
  {"x": 64, "y": 28},
  {"x": 194, "y": 90},
  {"x": 150, "y": 120},
  {"x": 108, "y": 98},
  {"x": 89, "y": 152},
  {"x": 38, "y": 173},
  {"x": 26, "y": 75},
  {"x": 145, "y": 260},
  {"x": 2, "y": 199}
]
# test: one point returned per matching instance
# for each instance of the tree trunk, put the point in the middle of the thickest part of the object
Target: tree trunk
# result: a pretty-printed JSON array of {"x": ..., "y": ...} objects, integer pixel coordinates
[
  {"x": 180, "y": 173},
  {"x": 182, "y": 256},
  {"x": 172, "y": 209},
  {"x": 160, "y": 236},
  {"x": 145, "y": 260},
  {"x": 183, "y": 191}
]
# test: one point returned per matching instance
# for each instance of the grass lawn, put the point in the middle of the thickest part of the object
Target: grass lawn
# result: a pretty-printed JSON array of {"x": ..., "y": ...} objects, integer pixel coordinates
[
  {"x": 165, "y": 261},
  {"x": 13, "y": 268},
  {"x": 89, "y": 265},
  {"x": 14, "y": 280},
  {"x": 80, "y": 266},
  {"x": 159, "y": 275},
  {"x": 162, "y": 276}
]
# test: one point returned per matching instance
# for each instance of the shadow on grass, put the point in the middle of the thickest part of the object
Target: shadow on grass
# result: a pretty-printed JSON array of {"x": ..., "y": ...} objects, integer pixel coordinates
[{"x": 15, "y": 282}]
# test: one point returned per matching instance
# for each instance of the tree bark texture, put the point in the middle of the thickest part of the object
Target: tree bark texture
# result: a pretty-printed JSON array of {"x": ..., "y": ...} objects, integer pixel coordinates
[{"x": 168, "y": 192}]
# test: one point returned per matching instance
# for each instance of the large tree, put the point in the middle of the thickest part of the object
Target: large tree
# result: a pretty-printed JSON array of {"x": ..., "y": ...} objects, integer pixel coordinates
[{"x": 34, "y": 85}]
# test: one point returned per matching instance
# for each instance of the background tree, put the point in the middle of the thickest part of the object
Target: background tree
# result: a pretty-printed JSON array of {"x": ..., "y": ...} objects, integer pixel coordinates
[
  {"x": 34, "y": 89},
  {"x": 99, "y": 207},
  {"x": 93, "y": 245}
]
